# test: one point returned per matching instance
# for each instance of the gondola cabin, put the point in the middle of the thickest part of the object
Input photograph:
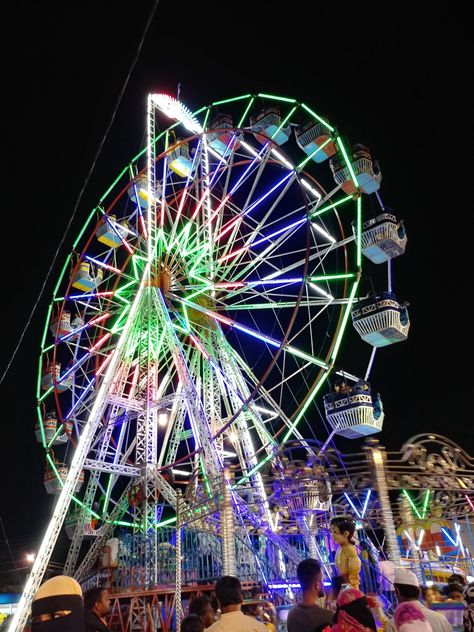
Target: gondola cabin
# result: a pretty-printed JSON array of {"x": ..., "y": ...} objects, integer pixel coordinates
[
  {"x": 380, "y": 320},
  {"x": 267, "y": 126},
  {"x": 383, "y": 238},
  {"x": 179, "y": 160},
  {"x": 366, "y": 171},
  {"x": 54, "y": 484},
  {"x": 51, "y": 376},
  {"x": 76, "y": 517},
  {"x": 61, "y": 326},
  {"x": 302, "y": 490},
  {"x": 83, "y": 279},
  {"x": 355, "y": 414},
  {"x": 222, "y": 137},
  {"x": 50, "y": 425},
  {"x": 110, "y": 232},
  {"x": 315, "y": 140},
  {"x": 138, "y": 191}
]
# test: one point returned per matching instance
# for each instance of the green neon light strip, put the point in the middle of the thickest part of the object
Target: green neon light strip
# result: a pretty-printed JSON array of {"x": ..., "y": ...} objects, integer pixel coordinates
[
  {"x": 325, "y": 123},
  {"x": 50, "y": 389},
  {"x": 243, "y": 96},
  {"x": 330, "y": 206},
  {"x": 412, "y": 504},
  {"x": 107, "y": 493},
  {"x": 56, "y": 434},
  {"x": 303, "y": 162},
  {"x": 344, "y": 321},
  {"x": 348, "y": 162},
  {"x": 40, "y": 417},
  {"x": 331, "y": 277},
  {"x": 46, "y": 326},
  {"x": 283, "y": 123},
  {"x": 425, "y": 504},
  {"x": 244, "y": 115},
  {"x": 359, "y": 231},
  {"x": 208, "y": 112},
  {"x": 273, "y": 96}
]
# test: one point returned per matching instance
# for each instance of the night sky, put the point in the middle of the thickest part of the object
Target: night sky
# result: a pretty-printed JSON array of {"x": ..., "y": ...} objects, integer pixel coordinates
[{"x": 399, "y": 85}]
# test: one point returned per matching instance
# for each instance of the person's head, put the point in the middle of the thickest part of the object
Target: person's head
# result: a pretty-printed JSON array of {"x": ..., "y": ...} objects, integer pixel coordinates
[
  {"x": 192, "y": 623},
  {"x": 340, "y": 386},
  {"x": 429, "y": 595},
  {"x": 457, "y": 578},
  {"x": 229, "y": 592},
  {"x": 410, "y": 618},
  {"x": 406, "y": 585},
  {"x": 454, "y": 592},
  {"x": 343, "y": 529},
  {"x": 310, "y": 576},
  {"x": 57, "y": 606},
  {"x": 353, "y": 611},
  {"x": 97, "y": 600},
  {"x": 202, "y": 606}
]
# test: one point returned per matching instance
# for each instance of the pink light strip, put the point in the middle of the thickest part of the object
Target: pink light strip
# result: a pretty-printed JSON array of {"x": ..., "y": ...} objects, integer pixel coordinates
[{"x": 470, "y": 503}]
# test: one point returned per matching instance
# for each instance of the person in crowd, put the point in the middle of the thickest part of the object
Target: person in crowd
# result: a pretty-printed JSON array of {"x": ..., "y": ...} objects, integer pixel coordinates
[
  {"x": 96, "y": 607},
  {"x": 202, "y": 606},
  {"x": 192, "y": 623},
  {"x": 457, "y": 578},
  {"x": 308, "y": 616},
  {"x": 347, "y": 560},
  {"x": 409, "y": 618},
  {"x": 454, "y": 591},
  {"x": 353, "y": 613},
  {"x": 468, "y": 615},
  {"x": 57, "y": 606},
  {"x": 431, "y": 594},
  {"x": 407, "y": 589},
  {"x": 229, "y": 593}
]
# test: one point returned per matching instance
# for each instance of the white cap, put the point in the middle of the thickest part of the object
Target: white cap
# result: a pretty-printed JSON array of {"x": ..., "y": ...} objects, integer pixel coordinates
[{"x": 405, "y": 576}]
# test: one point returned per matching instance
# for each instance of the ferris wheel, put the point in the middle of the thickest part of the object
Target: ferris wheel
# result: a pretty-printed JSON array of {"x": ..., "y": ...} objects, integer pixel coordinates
[{"x": 199, "y": 313}]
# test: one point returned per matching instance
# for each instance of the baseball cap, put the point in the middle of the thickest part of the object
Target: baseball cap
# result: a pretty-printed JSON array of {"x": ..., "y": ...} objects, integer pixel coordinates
[{"x": 405, "y": 576}]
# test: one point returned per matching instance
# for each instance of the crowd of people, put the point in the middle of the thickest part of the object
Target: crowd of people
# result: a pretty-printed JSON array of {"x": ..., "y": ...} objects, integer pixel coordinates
[{"x": 60, "y": 606}]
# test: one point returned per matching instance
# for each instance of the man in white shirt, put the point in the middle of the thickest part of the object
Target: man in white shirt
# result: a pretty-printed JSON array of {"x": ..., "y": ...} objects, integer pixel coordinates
[
  {"x": 232, "y": 619},
  {"x": 407, "y": 588}
]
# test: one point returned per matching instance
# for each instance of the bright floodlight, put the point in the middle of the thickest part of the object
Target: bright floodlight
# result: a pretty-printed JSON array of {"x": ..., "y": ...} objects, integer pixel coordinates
[
  {"x": 176, "y": 110},
  {"x": 162, "y": 419},
  {"x": 30, "y": 557}
]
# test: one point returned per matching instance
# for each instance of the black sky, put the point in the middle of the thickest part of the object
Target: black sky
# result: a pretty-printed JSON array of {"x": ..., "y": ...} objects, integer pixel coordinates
[{"x": 399, "y": 84}]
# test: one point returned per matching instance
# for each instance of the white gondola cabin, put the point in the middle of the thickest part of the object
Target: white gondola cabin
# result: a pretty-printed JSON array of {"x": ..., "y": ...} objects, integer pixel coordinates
[
  {"x": 179, "y": 160},
  {"x": 302, "y": 490},
  {"x": 383, "y": 238},
  {"x": 222, "y": 137},
  {"x": 366, "y": 171},
  {"x": 315, "y": 140},
  {"x": 50, "y": 427},
  {"x": 267, "y": 125},
  {"x": 54, "y": 484},
  {"x": 355, "y": 414},
  {"x": 380, "y": 320}
]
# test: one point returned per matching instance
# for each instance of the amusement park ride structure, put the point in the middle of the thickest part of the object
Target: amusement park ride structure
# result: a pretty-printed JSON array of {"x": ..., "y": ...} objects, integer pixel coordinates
[{"x": 196, "y": 320}]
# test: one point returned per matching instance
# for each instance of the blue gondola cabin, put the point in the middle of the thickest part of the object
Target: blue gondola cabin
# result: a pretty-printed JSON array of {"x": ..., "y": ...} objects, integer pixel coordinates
[{"x": 383, "y": 238}]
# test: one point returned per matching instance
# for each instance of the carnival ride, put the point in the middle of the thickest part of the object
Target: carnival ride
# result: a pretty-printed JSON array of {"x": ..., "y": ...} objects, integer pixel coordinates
[{"x": 195, "y": 321}]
